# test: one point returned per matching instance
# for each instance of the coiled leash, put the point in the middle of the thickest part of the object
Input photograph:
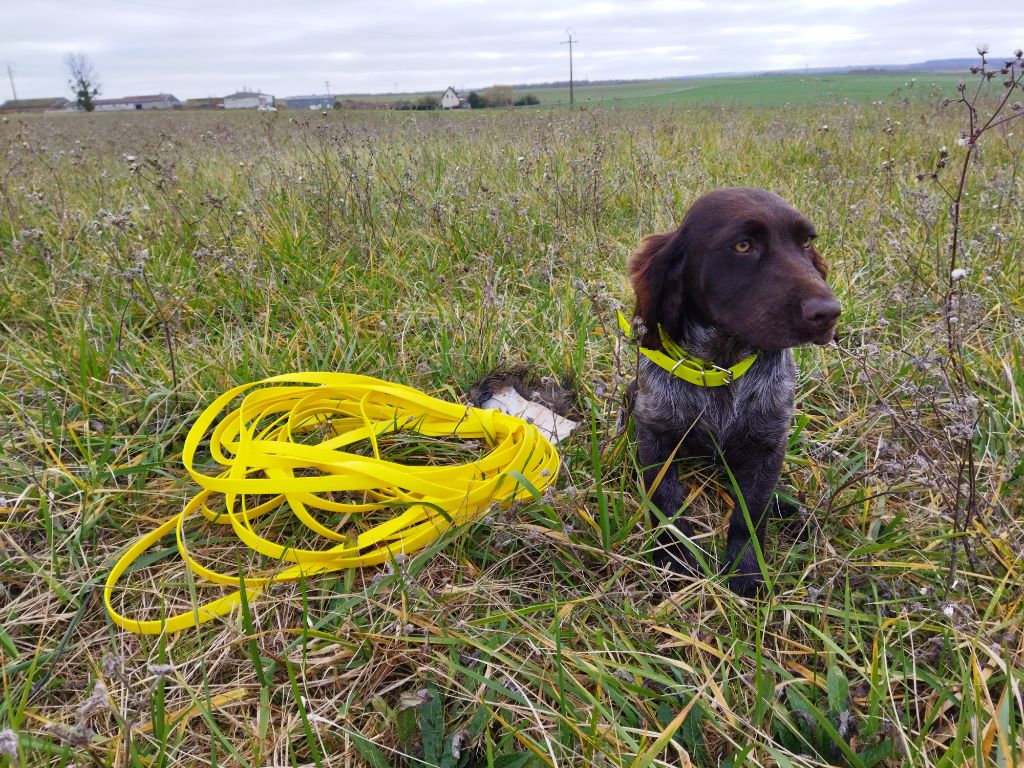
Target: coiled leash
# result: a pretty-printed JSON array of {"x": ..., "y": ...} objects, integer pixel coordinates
[{"x": 287, "y": 439}]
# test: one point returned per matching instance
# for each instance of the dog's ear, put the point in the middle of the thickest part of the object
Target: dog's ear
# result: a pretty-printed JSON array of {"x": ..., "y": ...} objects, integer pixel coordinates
[
  {"x": 819, "y": 263},
  {"x": 656, "y": 270}
]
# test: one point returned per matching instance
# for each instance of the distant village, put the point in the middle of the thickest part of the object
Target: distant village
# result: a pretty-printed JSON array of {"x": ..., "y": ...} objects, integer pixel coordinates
[{"x": 498, "y": 95}]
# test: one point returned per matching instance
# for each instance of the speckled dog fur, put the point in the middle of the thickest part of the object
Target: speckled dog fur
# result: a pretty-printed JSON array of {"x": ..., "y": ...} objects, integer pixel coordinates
[{"x": 721, "y": 305}]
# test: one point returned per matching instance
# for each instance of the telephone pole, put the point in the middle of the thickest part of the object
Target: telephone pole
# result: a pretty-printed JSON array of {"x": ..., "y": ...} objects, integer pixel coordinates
[
  {"x": 10, "y": 75},
  {"x": 569, "y": 42}
]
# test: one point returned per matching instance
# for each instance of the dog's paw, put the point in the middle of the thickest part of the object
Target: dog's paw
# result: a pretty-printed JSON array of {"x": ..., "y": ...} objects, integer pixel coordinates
[
  {"x": 745, "y": 577},
  {"x": 747, "y": 584}
]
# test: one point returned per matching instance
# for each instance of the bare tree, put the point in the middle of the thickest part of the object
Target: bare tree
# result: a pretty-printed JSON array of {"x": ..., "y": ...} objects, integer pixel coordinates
[{"x": 83, "y": 80}]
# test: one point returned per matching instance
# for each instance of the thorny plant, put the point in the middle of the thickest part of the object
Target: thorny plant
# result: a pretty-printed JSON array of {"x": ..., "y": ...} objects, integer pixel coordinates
[
  {"x": 982, "y": 116},
  {"x": 140, "y": 287}
]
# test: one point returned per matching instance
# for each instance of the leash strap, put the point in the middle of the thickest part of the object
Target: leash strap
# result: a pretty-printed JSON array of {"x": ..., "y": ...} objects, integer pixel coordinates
[{"x": 286, "y": 444}]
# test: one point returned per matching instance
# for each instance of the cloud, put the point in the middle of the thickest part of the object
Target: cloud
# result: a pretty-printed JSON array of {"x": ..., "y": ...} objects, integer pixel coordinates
[
  {"x": 819, "y": 36},
  {"x": 58, "y": 47},
  {"x": 201, "y": 47},
  {"x": 844, "y": 5}
]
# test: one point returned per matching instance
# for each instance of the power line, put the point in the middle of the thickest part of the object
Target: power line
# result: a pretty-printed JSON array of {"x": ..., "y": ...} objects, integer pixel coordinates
[{"x": 570, "y": 41}]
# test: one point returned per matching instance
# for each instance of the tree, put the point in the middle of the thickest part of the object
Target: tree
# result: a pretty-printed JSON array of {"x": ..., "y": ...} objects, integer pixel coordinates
[
  {"x": 83, "y": 80},
  {"x": 498, "y": 96},
  {"x": 476, "y": 101}
]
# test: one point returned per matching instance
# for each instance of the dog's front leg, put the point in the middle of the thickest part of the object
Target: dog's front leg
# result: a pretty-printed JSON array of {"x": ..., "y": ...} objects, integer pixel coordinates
[
  {"x": 653, "y": 450},
  {"x": 756, "y": 466}
]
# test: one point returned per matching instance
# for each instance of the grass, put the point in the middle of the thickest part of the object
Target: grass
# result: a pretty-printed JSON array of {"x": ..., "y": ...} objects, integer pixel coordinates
[
  {"x": 150, "y": 262},
  {"x": 736, "y": 90},
  {"x": 755, "y": 91}
]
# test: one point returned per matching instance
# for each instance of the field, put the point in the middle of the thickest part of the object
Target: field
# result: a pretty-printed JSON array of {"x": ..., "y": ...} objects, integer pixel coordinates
[
  {"x": 761, "y": 91},
  {"x": 743, "y": 91},
  {"x": 150, "y": 262}
]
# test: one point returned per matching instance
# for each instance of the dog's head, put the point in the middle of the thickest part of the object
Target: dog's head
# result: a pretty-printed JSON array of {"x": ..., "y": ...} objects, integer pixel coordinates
[{"x": 743, "y": 261}]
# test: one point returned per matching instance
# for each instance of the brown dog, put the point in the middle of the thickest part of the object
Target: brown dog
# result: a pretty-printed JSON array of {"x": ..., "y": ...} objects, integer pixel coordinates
[{"x": 740, "y": 277}]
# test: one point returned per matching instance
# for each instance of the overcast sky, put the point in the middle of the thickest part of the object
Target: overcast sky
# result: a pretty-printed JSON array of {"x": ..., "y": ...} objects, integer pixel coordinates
[{"x": 214, "y": 47}]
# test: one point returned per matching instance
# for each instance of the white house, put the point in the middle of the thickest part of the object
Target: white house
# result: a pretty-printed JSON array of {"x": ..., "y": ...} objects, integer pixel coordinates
[
  {"x": 450, "y": 99},
  {"x": 248, "y": 100}
]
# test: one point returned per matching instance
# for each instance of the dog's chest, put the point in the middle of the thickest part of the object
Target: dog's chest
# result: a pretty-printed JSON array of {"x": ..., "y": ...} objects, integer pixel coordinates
[{"x": 758, "y": 405}]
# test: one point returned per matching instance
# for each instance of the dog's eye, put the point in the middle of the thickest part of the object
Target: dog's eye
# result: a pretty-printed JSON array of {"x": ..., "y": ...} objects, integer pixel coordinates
[
  {"x": 807, "y": 243},
  {"x": 743, "y": 246}
]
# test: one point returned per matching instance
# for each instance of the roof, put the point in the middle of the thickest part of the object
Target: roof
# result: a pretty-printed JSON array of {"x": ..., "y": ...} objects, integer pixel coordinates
[
  {"x": 311, "y": 96},
  {"x": 456, "y": 93},
  {"x": 47, "y": 101},
  {"x": 137, "y": 99},
  {"x": 245, "y": 94}
]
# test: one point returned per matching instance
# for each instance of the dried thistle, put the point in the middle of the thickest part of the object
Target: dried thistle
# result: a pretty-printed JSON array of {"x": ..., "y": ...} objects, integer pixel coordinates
[{"x": 8, "y": 743}]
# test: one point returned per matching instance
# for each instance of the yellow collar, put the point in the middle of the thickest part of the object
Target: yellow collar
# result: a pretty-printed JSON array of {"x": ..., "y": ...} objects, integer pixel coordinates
[{"x": 687, "y": 367}]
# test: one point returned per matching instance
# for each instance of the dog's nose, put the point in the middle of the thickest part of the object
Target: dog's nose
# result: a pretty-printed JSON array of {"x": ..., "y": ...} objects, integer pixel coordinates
[{"x": 820, "y": 311}]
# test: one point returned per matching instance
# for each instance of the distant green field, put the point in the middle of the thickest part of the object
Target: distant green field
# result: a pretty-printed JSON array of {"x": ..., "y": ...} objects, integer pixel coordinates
[
  {"x": 750, "y": 90},
  {"x": 760, "y": 90}
]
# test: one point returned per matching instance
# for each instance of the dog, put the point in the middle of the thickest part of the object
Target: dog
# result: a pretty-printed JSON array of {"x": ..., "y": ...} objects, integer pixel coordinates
[{"x": 722, "y": 300}]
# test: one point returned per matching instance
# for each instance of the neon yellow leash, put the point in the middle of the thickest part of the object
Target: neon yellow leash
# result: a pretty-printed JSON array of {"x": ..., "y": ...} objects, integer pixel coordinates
[
  {"x": 287, "y": 440},
  {"x": 680, "y": 363}
]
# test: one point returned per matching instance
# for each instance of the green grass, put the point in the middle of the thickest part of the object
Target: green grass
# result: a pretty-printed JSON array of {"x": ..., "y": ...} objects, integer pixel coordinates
[
  {"x": 755, "y": 91},
  {"x": 150, "y": 262},
  {"x": 734, "y": 90}
]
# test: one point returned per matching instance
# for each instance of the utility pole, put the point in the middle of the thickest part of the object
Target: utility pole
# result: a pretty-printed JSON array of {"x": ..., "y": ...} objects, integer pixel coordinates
[
  {"x": 570, "y": 41},
  {"x": 10, "y": 75}
]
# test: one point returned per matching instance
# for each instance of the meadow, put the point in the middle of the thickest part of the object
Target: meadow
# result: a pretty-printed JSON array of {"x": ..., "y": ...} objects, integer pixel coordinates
[
  {"x": 768, "y": 90},
  {"x": 149, "y": 262},
  {"x": 736, "y": 90},
  {"x": 765, "y": 90}
]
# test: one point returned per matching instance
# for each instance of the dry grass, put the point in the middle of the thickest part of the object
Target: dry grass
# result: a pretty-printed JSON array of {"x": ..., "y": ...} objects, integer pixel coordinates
[{"x": 148, "y": 262}]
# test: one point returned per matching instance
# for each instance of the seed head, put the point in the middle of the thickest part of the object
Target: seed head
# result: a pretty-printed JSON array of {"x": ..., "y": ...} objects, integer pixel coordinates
[
  {"x": 78, "y": 735},
  {"x": 98, "y": 701},
  {"x": 8, "y": 744},
  {"x": 160, "y": 671},
  {"x": 113, "y": 667}
]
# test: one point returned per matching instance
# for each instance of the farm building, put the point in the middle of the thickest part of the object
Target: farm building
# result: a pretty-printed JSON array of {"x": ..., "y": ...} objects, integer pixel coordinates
[
  {"x": 248, "y": 100},
  {"x": 151, "y": 101},
  {"x": 450, "y": 99},
  {"x": 49, "y": 104},
  {"x": 309, "y": 102}
]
